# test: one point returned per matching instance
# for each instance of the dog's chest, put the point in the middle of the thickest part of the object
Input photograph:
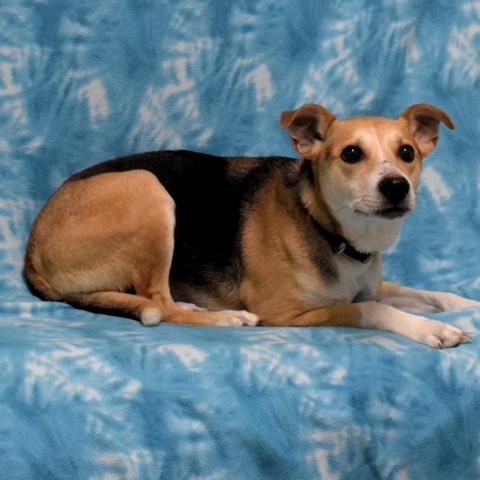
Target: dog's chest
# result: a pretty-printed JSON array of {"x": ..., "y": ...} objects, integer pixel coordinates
[{"x": 354, "y": 282}]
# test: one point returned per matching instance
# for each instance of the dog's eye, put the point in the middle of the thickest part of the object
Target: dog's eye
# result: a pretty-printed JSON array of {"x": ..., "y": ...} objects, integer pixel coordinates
[
  {"x": 407, "y": 153},
  {"x": 352, "y": 154}
]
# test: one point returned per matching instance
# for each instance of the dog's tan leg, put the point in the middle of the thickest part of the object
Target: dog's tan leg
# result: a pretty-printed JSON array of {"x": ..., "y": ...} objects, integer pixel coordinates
[
  {"x": 383, "y": 317},
  {"x": 156, "y": 287},
  {"x": 152, "y": 313},
  {"x": 414, "y": 300},
  {"x": 131, "y": 305},
  {"x": 221, "y": 318}
]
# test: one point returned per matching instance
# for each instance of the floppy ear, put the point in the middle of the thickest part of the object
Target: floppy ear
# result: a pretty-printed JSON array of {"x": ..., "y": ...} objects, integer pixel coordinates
[
  {"x": 424, "y": 122},
  {"x": 307, "y": 127}
]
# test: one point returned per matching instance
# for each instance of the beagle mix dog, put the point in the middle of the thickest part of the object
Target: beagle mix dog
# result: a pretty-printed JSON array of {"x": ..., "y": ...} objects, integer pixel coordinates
[{"x": 185, "y": 237}]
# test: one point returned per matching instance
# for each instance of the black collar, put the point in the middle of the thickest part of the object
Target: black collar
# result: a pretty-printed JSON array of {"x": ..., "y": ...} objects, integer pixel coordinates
[{"x": 340, "y": 246}]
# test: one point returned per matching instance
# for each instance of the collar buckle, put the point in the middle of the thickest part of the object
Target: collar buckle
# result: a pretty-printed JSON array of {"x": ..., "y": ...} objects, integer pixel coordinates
[{"x": 340, "y": 248}]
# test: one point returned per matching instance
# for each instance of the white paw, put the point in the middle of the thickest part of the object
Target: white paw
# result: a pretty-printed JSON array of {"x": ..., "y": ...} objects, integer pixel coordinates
[
  {"x": 151, "y": 317},
  {"x": 191, "y": 307},
  {"x": 237, "y": 318},
  {"x": 443, "y": 335}
]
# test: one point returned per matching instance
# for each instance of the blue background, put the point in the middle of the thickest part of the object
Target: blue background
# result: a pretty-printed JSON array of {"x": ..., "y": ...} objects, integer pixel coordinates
[{"x": 87, "y": 396}]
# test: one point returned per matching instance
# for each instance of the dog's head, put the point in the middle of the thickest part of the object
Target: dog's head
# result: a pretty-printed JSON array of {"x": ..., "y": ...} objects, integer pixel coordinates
[{"x": 367, "y": 168}]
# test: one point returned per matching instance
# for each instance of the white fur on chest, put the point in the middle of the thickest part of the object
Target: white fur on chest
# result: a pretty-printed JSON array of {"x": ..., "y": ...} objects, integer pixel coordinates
[{"x": 355, "y": 282}]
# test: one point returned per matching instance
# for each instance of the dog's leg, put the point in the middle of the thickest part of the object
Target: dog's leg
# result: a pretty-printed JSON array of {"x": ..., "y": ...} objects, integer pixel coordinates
[
  {"x": 221, "y": 318},
  {"x": 157, "y": 288},
  {"x": 124, "y": 304},
  {"x": 411, "y": 299},
  {"x": 152, "y": 313},
  {"x": 382, "y": 317}
]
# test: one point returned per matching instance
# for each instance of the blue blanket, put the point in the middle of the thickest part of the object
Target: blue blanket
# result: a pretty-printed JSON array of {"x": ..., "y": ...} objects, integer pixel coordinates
[{"x": 91, "y": 396}]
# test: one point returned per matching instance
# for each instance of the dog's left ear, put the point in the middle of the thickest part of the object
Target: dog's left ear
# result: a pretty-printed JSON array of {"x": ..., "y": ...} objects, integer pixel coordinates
[
  {"x": 424, "y": 122},
  {"x": 307, "y": 127}
]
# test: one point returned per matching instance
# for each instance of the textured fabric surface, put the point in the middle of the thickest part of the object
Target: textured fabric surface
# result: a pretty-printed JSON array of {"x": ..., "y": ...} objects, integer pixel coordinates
[{"x": 97, "y": 397}]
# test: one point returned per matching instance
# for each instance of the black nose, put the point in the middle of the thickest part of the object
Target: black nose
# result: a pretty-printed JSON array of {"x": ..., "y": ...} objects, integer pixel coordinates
[{"x": 394, "y": 189}]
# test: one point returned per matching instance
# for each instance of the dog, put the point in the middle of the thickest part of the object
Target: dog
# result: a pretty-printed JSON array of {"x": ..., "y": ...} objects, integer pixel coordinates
[{"x": 185, "y": 237}]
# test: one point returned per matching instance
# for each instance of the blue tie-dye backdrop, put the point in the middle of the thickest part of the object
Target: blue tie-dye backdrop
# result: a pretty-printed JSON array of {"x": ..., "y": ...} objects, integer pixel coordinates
[{"x": 86, "y": 396}]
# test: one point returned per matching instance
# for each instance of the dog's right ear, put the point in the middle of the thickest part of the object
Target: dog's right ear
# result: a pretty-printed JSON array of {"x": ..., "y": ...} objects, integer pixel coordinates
[{"x": 307, "y": 126}]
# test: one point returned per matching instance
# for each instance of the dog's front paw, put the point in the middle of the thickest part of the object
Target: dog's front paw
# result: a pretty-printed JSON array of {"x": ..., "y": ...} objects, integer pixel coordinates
[
  {"x": 443, "y": 335},
  {"x": 237, "y": 318}
]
